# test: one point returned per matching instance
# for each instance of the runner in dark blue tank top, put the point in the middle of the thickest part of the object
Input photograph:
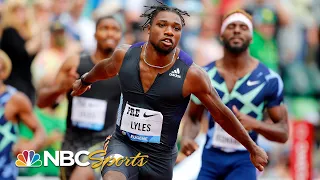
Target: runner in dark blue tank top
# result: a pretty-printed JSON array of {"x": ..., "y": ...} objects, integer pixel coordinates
[
  {"x": 92, "y": 116},
  {"x": 157, "y": 80}
]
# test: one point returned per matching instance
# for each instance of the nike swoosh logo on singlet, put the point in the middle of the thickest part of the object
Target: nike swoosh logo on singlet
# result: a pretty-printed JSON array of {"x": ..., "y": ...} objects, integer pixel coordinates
[
  {"x": 252, "y": 83},
  {"x": 145, "y": 115}
]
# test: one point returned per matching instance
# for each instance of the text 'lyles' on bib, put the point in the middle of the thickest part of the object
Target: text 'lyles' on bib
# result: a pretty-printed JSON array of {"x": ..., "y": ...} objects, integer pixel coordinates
[
  {"x": 88, "y": 113},
  {"x": 141, "y": 124},
  {"x": 222, "y": 139}
]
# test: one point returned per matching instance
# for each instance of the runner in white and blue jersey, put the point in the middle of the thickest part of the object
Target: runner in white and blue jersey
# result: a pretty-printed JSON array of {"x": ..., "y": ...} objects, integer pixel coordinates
[
  {"x": 248, "y": 88},
  {"x": 15, "y": 107}
]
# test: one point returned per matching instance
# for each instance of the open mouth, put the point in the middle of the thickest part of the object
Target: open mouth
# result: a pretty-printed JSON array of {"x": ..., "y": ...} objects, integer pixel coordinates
[
  {"x": 167, "y": 42},
  {"x": 236, "y": 39},
  {"x": 109, "y": 41}
]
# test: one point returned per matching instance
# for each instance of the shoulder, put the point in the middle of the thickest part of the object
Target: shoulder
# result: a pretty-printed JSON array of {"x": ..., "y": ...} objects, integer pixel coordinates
[
  {"x": 210, "y": 66},
  {"x": 20, "y": 101},
  {"x": 123, "y": 48},
  {"x": 185, "y": 58},
  {"x": 197, "y": 75},
  {"x": 120, "y": 52},
  {"x": 19, "y": 97},
  {"x": 196, "y": 72},
  {"x": 272, "y": 76},
  {"x": 272, "y": 79},
  {"x": 269, "y": 74}
]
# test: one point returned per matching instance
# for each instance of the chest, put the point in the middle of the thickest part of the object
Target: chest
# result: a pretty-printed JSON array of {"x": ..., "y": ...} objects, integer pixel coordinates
[
  {"x": 230, "y": 80},
  {"x": 248, "y": 92},
  {"x": 149, "y": 76},
  {"x": 140, "y": 83}
]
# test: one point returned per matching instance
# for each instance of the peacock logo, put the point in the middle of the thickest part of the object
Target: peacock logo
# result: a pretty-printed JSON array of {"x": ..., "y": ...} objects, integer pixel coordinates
[{"x": 28, "y": 158}]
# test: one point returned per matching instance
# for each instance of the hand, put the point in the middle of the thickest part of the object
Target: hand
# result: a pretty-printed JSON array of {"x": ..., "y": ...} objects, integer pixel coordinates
[
  {"x": 22, "y": 145},
  {"x": 68, "y": 80},
  {"x": 188, "y": 146},
  {"x": 259, "y": 158},
  {"x": 248, "y": 122},
  {"x": 79, "y": 88},
  {"x": 56, "y": 136}
]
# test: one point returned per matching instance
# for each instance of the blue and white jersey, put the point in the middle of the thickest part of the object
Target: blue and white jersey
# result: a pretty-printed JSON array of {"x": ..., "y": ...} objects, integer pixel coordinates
[{"x": 259, "y": 89}]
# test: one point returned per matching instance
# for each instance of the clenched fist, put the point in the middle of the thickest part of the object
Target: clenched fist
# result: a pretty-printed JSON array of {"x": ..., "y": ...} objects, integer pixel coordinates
[
  {"x": 188, "y": 146},
  {"x": 259, "y": 158}
]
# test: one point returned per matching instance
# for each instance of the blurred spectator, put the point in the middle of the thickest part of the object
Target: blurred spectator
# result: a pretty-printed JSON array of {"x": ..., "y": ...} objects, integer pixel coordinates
[
  {"x": 316, "y": 10},
  {"x": 59, "y": 7},
  {"x": 264, "y": 46},
  {"x": 16, "y": 108},
  {"x": 21, "y": 42},
  {"x": 42, "y": 17},
  {"x": 282, "y": 18},
  {"x": 1, "y": 8},
  {"x": 225, "y": 6},
  {"x": 318, "y": 51},
  {"x": 79, "y": 28},
  {"x": 107, "y": 8},
  {"x": 210, "y": 48},
  {"x": 133, "y": 9},
  {"x": 48, "y": 61}
]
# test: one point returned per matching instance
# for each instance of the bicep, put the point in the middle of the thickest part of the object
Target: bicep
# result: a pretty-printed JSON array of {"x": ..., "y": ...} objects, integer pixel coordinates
[
  {"x": 206, "y": 93},
  {"x": 278, "y": 114},
  {"x": 114, "y": 63},
  {"x": 25, "y": 111},
  {"x": 10, "y": 111}
]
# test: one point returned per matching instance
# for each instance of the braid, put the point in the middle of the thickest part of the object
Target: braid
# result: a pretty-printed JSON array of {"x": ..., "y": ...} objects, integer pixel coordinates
[{"x": 155, "y": 9}]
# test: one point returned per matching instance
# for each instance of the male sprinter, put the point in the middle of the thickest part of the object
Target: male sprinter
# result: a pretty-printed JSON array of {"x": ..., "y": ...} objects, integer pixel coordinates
[
  {"x": 157, "y": 80},
  {"x": 247, "y": 87},
  {"x": 91, "y": 117},
  {"x": 15, "y": 107}
]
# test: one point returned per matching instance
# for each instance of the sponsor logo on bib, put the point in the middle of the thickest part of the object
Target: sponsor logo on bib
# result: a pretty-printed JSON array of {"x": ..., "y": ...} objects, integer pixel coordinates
[{"x": 141, "y": 124}]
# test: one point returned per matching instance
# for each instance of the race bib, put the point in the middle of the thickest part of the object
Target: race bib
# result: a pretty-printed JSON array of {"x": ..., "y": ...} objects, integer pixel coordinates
[
  {"x": 222, "y": 139},
  {"x": 142, "y": 125},
  {"x": 88, "y": 113}
]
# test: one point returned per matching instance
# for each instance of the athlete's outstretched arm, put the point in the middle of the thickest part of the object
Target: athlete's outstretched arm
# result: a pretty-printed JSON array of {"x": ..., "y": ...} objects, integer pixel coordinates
[
  {"x": 19, "y": 108},
  {"x": 204, "y": 91},
  {"x": 191, "y": 128},
  {"x": 105, "y": 69}
]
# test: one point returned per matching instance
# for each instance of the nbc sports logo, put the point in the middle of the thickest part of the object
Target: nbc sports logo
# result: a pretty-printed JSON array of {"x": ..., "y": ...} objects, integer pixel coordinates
[{"x": 28, "y": 159}]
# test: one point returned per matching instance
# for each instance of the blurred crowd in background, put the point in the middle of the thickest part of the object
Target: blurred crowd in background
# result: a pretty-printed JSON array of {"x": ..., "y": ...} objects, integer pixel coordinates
[{"x": 38, "y": 36}]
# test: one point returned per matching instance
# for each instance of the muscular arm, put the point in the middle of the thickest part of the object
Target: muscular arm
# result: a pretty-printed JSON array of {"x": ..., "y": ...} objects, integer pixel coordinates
[
  {"x": 19, "y": 108},
  {"x": 279, "y": 130},
  {"x": 48, "y": 94},
  {"x": 107, "y": 68},
  {"x": 191, "y": 128},
  {"x": 211, "y": 100}
]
